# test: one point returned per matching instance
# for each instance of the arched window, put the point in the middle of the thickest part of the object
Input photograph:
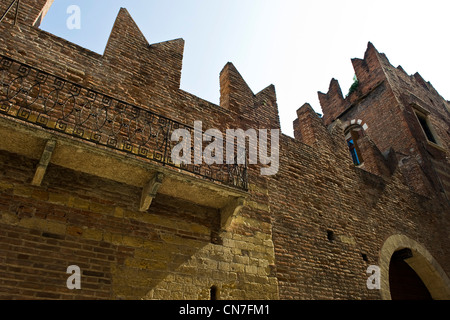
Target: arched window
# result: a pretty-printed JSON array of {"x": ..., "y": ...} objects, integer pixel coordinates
[{"x": 352, "y": 135}]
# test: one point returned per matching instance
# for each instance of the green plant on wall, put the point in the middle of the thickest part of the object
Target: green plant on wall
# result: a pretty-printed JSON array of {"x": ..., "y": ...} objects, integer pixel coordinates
[{"x": 354, "y": 86}]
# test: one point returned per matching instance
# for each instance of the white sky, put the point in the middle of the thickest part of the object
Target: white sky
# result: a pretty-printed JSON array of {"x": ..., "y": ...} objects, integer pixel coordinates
[{"x": 298, "y": 46}]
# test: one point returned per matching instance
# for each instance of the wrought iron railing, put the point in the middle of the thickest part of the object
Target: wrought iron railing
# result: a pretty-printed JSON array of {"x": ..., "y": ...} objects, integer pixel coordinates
[{"x": 55, "y": 104}]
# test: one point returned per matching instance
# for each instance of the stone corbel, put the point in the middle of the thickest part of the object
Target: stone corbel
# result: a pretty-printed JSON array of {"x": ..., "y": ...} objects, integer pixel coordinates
[
  {"x": 150, "y": 190},
  {"x": 230, "y": 211},
  {"x": 41, "y": 168}
]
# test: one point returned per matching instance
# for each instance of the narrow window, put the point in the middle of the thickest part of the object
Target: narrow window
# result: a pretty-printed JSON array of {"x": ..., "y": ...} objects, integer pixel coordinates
[
  {"x": 352, "y": 137},
  {"x": 425, "y": 124},
  {"x": 354, "y": 154}
]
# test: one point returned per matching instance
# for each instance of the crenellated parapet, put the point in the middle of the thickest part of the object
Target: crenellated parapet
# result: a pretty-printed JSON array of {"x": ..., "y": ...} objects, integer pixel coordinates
[
  {"x": 369, "y": 73},
  {"x": 237, "y": 97},
  {"x": 88, "y": 177},
  {"x": 129, "y": 50},
  {"x": 134, "y": 70},
  {"x": 333, "y": 102}
]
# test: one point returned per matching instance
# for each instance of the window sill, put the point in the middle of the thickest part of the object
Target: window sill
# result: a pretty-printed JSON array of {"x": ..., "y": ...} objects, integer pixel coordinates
[{"x": 436, "y": 146}]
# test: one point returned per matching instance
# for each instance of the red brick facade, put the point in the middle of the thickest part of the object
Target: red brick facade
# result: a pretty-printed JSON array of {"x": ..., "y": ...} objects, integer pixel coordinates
[{"x": 309, "y": 232}]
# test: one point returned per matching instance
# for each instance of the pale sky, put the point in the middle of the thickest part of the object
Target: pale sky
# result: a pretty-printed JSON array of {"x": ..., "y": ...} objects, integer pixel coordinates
[{"x": 298, "y": 46}]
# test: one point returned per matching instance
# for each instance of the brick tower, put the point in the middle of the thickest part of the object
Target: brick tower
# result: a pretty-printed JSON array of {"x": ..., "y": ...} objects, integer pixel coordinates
[{"x": 394, "y": 116}]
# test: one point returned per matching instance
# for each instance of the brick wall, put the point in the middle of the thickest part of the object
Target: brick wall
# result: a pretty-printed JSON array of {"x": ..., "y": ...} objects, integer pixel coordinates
[
  {"x": 395, "y": 190},
  {"x": 326, "y": 197},
  {"x": 308, "y": 232},
  {"x": 165, "y": 253}
]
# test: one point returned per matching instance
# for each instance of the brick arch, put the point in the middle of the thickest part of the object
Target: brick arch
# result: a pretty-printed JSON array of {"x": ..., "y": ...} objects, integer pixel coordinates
[
  {"x": 422, "y": 262},
  {"x": 349, "y": 123}
]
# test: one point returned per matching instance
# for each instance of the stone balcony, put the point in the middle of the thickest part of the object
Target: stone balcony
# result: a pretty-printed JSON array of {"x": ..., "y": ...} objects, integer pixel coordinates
[{"x": 56, "y": 121}]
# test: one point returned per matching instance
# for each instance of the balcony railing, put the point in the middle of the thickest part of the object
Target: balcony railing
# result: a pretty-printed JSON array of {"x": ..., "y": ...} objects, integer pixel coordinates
[{"x": 55, "y": 104}]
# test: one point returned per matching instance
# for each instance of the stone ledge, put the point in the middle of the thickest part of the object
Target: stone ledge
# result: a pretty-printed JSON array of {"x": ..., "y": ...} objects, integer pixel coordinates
[{"x": 28, "y": 140}]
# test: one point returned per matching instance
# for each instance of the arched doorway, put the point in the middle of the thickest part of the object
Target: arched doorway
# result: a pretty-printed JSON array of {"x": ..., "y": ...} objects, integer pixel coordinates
[
  {"x": 409, "y": 272},
  {"x": 404, "y": 283}
]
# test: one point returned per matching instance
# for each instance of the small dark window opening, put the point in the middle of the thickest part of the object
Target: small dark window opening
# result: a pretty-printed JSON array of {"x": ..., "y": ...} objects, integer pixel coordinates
[
  {"x": 330, "y": 236},
  {"x": 426, "y": 128},
  {"x": 214, "y": 293}
]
